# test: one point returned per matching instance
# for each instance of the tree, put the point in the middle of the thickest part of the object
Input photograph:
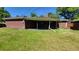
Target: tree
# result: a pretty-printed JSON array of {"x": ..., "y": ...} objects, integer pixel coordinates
[
  {"x": 3, "y": 13},
  {"x": 33, "y": 15},
  {"x": 68, "y": 12},
  {"x": 51, "y": 15}
]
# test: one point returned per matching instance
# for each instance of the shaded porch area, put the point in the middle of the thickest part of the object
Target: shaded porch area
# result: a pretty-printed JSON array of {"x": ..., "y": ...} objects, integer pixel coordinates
[
  {"x": 30, "y": 24},
  {"x": 41, "y": 24}
]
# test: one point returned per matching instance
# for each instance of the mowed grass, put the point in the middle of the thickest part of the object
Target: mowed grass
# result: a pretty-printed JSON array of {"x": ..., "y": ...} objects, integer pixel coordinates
[{"x": 38, "y": 40}]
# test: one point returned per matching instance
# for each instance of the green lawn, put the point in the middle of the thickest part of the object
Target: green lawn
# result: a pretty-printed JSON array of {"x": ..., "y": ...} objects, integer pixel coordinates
[{"x": 39, "y": 40}]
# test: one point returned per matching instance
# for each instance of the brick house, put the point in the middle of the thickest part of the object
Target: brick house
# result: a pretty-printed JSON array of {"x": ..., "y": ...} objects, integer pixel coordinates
[
  {"x": 39, "y": 23},
  {"x": 33, "y": 22}
]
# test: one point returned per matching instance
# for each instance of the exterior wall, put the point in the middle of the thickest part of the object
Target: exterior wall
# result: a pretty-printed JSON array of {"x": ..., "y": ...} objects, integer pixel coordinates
[
  {"x": 21, "y": 24},
  {"x": 75, "y": 25},
  {"x": 64, "y": 25},
  {"x": 15, "y": 24}
]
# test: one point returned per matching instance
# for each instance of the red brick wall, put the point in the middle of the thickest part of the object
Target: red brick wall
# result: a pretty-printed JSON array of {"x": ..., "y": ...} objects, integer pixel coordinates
[
  {"x": 64, "y": 25},
  {"x": 15, "y": 24},
  {"x": 75, "y": 25}
]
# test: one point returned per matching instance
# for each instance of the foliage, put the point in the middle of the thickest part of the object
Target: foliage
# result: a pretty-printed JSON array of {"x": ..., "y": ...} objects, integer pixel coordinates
[
  {"x": 68, "y": 12},
  {"x": 33, "y": 15},
  {"x": 3, "y": 13},
  {"x": 51, "y": 15}
]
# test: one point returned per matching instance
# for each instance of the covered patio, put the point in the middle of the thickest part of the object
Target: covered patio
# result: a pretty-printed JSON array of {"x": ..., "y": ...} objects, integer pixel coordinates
[{"x": 41, "y": 23}]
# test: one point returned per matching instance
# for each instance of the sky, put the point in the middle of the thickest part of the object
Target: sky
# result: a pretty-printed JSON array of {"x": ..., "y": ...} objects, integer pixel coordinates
[{"x": 26, "y": 11}]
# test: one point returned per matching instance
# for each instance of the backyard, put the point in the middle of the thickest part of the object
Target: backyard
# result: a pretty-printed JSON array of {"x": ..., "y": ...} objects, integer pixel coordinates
[{"x": 38, "y": 40}]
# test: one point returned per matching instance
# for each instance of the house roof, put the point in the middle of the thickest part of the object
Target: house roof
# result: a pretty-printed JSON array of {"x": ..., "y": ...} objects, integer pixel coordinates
[
  {"x": 41, "y": 19},
  {"x": 32, "y": 18},
  {"x": 76, "y": 20},
  {"x": 36, "y": 19},
  {"x": 13, "y": 18}
]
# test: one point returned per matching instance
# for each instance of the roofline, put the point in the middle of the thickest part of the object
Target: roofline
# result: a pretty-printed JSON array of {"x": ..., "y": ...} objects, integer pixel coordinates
[
  {"x": 14, "y": 18},
  {"x": 41, "y": 19},
  {"x": 30, "y": 18}
]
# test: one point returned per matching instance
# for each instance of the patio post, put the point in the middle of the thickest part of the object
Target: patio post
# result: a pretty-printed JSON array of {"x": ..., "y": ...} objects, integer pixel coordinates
[
  {"x": 56, "y": 24},
  {"x": 49, "y": 25},
  {"x": 37, "y": 24}
]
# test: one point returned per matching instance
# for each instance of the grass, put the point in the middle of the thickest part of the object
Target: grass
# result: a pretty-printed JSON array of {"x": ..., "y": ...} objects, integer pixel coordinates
[{"x": 39, "y": 40}]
